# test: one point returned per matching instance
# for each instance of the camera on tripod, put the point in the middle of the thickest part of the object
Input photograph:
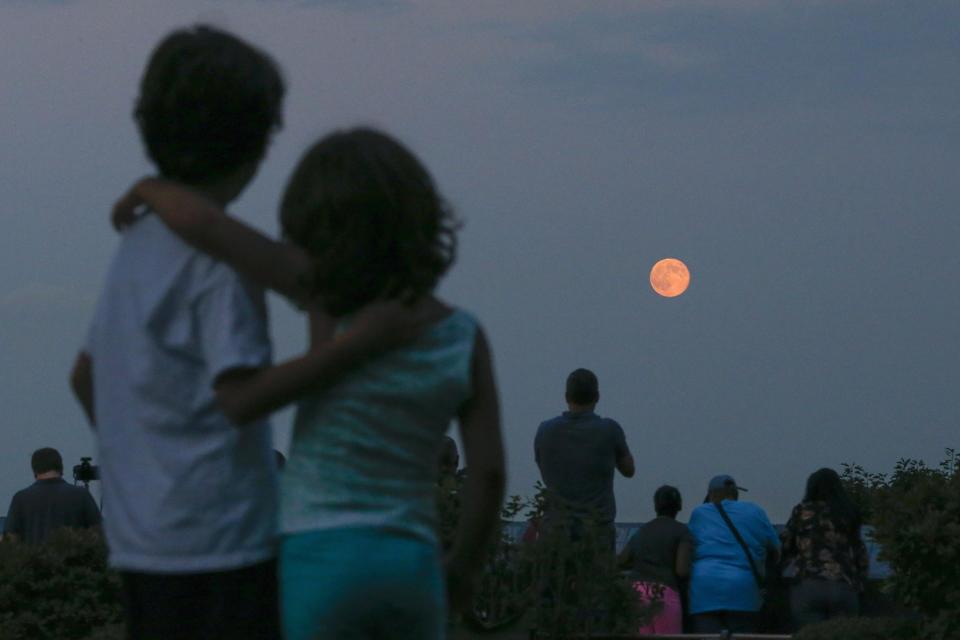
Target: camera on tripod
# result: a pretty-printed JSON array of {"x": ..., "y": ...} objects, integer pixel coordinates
[{"x": 85, "y": 472}]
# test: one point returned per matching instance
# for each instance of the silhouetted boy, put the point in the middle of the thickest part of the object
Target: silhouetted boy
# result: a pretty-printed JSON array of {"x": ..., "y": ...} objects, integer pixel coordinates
[{"x": 189, "y": 498}]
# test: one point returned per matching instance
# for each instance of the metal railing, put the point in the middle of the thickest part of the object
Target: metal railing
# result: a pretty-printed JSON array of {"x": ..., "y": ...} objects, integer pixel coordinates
[{"x": 679, "y": 636}]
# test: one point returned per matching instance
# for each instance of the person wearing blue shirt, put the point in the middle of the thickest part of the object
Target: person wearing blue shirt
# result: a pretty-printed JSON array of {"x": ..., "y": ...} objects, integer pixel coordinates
[{"x": 724, "y": 594}]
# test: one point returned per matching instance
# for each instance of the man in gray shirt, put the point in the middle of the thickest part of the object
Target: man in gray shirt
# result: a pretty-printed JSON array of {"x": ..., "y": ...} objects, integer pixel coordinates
[
  {"x": 577, "y": 453},
  {"x": 49, "y": 504}
]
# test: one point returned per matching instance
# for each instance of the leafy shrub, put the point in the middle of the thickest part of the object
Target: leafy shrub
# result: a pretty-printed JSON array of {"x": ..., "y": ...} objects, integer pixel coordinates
[
  {"x": 109, "y": 632},
  {"x": 59, "y": 590},
  {"x": 860, "y": 629},
  {"x": 576, "y": 586},
  {"x": 560, "y": 587},
  {"x": 915, "y": 512}
]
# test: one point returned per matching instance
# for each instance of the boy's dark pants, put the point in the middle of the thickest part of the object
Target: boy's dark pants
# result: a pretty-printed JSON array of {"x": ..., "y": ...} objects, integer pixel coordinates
[{"x": 229, "y": 605}]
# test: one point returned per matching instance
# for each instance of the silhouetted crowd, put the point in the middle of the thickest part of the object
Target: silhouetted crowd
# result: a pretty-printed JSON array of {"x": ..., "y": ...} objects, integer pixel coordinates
[{"x": 711, "y": 572}]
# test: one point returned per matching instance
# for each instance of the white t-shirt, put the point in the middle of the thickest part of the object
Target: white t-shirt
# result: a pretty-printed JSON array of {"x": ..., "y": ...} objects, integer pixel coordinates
[{"x": 184, "y": 490}]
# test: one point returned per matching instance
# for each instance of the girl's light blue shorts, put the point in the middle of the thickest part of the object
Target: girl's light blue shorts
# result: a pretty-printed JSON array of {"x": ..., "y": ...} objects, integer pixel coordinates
[{"x": 361, "y": 583}]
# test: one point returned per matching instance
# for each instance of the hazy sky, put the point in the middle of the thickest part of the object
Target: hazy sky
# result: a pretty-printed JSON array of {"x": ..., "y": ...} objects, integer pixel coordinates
[{"x": 802, "y": 158}]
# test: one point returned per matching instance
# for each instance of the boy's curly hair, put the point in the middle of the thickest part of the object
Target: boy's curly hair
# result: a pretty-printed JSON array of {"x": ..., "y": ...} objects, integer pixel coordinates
[
  {"x": 208, "y": 104},
  {"x": 369, "y": 214}
]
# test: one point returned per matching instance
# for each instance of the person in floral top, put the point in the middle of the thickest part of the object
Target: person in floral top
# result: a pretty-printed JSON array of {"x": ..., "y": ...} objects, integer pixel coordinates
[{"x": 822, "y": 547}]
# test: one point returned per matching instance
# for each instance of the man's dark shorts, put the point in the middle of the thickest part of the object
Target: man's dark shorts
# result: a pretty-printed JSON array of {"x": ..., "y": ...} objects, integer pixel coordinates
[{"x": 230, "y": 605}]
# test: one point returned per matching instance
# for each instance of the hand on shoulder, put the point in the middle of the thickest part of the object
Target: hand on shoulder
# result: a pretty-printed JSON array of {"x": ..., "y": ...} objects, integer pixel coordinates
[
  {"x": 386, "y": 324},
  {"x": 181, "y": 207},
  {"x": 130, "y": 207}
]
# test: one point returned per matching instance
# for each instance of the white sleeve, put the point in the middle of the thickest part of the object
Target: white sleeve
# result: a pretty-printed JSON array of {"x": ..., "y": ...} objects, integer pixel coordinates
[
  {"x": 233, "y": 332},
  {"x": 89, "y": 339}
]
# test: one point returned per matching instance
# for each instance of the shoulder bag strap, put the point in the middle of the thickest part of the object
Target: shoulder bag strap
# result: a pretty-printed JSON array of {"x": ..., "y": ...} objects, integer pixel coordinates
[{"x": 743, "y": 544}]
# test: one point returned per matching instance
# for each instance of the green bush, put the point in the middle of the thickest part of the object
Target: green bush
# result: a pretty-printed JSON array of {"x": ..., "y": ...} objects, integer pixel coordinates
[
  {"x": 860, "y": 629},
  {"x": 557, "y": 586},
  {"x": 109, "y": 632},
  {"x": 915, "y": 512},
  {"x": 59, "y": 590}
]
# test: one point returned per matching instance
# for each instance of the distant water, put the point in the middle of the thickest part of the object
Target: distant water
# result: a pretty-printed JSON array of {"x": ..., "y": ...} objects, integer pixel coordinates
[{"x": 878, "y": 570}]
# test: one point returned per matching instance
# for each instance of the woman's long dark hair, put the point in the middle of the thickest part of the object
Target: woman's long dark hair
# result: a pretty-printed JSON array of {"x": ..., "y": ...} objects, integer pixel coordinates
[
  {"x": 825, "y": 486},
  {"x": 370, "y": 216}
]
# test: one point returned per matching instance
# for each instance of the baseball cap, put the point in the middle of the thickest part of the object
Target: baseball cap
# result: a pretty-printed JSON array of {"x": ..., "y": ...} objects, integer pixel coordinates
[{"x": 723, "y": 481}]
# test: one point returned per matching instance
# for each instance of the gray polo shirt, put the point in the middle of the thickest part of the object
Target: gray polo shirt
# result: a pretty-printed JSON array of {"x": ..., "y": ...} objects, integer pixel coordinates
[
  {"x": 48, "y": 505},
  {"x": 577, "y": 454}
]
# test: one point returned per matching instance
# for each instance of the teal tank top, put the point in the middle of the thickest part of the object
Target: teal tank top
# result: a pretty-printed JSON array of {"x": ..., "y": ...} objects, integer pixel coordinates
[{"x": 365, "y": 452}]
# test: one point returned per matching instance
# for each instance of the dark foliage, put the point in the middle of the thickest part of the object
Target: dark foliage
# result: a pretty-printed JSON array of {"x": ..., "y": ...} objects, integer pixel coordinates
[
  {"x": 915, "y": 512},
  {"x": 558, "y": 586},
  {"x": 860, "y": 629},
  {"x": 59, "y": 590}
]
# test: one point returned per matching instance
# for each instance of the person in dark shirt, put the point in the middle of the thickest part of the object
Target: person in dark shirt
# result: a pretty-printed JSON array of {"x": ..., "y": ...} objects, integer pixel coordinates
[
  {"x": 658, "y": 557},
  {"x": 823, "y": 544},
  {"x": 49, "y": 504},
  {"x": 577, "y": 453}
]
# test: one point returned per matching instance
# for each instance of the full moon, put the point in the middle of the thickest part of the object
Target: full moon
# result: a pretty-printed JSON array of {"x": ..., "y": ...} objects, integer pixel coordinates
[{"x": 670, "y": 277}]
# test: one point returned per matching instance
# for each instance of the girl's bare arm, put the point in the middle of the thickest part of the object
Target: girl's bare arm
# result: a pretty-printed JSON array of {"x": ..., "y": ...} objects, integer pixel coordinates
[
  {"x": 245, "y": 395},
  {"x": 486, "y": 477}
]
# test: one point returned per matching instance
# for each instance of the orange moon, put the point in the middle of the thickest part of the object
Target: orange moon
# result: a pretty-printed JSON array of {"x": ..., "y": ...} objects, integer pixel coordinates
[{"x": 670, "y": 277}]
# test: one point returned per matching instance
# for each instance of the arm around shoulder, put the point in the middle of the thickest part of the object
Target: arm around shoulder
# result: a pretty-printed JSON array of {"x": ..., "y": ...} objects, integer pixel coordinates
[
  {"x": 246, "y": 394},
  {"x": 205, "y": 225}
]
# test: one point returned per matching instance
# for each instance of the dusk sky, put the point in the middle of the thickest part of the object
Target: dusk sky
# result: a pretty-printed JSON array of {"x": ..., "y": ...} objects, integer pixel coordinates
[{"x": 802, "y": 158}]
